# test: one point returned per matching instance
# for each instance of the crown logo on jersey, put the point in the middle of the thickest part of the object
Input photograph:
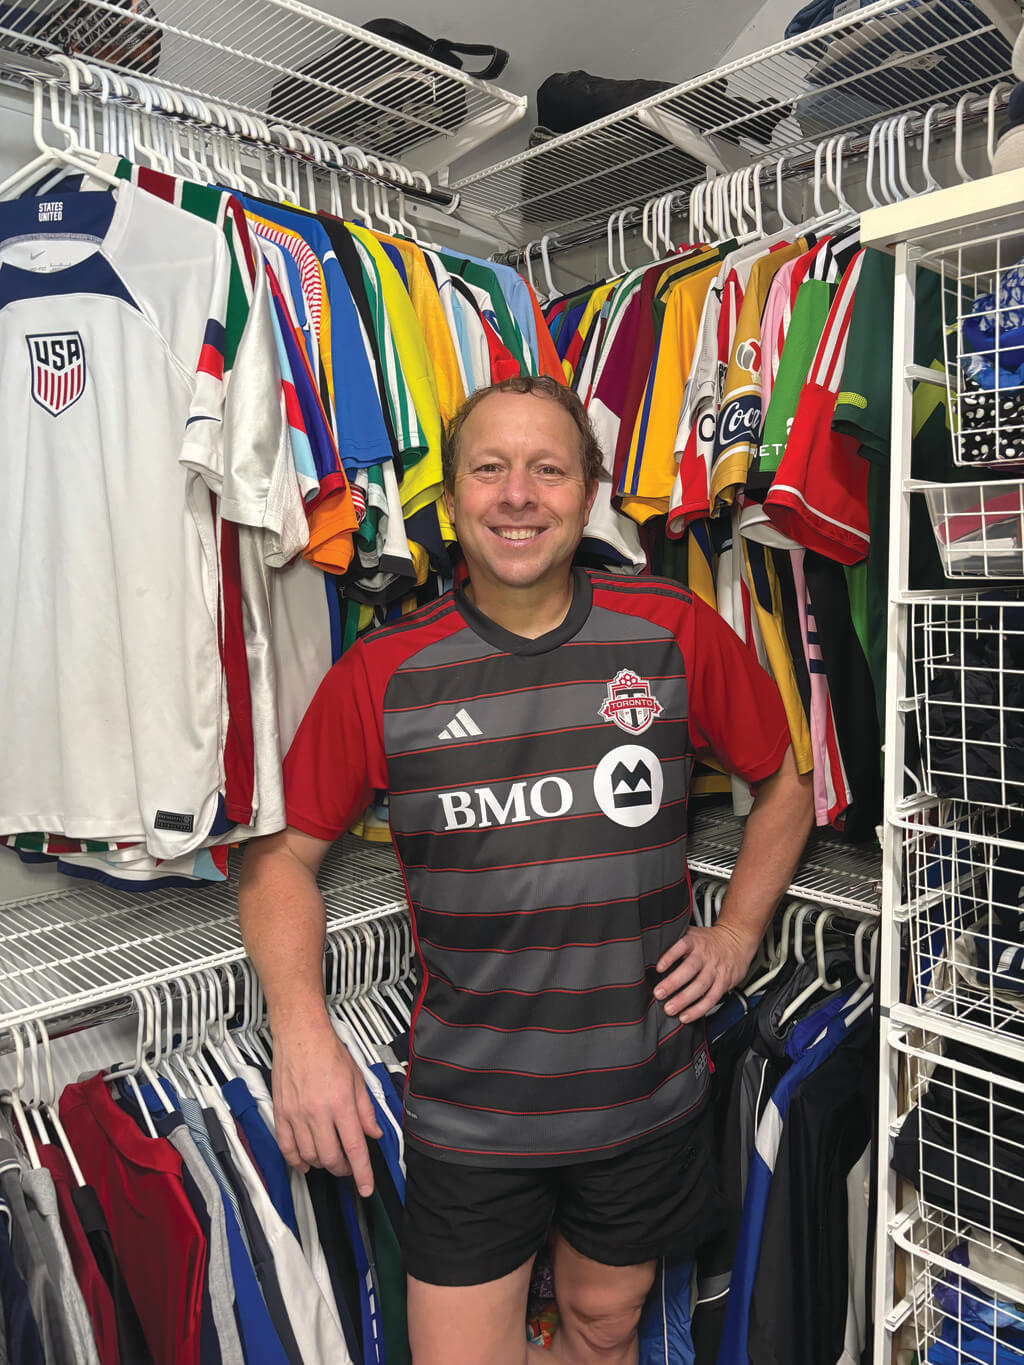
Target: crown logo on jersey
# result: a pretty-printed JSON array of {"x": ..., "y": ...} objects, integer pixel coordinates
[
  {"x": 630, "y": 705},
  {"x": 58, "y": 370}
]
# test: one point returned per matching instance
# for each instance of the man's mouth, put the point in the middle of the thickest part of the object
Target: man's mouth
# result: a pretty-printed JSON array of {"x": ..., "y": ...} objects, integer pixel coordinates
[{"x": 517, "y": 532}]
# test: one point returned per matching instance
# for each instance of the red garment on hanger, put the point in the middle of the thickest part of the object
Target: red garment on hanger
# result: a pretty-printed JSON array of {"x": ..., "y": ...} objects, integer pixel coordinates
[
  {"x": 98, "y": 1302},
  {"x": 157, "y": 1238}
]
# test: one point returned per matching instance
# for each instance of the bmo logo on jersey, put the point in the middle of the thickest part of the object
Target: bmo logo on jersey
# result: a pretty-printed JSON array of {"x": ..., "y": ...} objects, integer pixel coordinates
[
  {"x": 58, "y": 370},
  {"x": 480, "y": 808},
  {"x": 628, "y": 786}
]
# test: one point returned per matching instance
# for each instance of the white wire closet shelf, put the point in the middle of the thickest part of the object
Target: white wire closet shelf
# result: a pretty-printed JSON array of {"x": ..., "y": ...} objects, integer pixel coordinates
[
  {"x": 840, "y": 876},
  {"x": 887, "y": 58},
  {"x": 61, "y": 954},
  {"x": 282, "y": 61},
  {"x": 67, "y": 951}
]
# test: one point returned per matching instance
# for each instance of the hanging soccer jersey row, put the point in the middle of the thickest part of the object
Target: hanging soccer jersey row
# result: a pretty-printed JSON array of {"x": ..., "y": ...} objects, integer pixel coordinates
[
  {"x": 741, "y": 396},
  {"x": 224, "y": 460}
]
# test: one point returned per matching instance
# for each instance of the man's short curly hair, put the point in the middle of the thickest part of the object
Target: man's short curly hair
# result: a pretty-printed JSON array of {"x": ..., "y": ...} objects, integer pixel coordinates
[{"x": 543, "y": 387}]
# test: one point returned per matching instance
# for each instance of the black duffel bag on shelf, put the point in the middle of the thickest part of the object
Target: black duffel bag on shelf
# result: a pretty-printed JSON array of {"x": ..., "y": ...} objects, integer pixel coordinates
[{"x": 396, "y": 96}]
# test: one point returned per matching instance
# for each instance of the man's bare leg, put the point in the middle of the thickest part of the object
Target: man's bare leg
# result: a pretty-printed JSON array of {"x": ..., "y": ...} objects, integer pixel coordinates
[
  {"x": 479, "y": 1324},
  {"x": 599, "y": 1306}
]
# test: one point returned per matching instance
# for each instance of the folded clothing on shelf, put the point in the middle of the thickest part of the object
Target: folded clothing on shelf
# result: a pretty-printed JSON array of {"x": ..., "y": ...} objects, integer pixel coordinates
[{"x": 991, "y": 424}]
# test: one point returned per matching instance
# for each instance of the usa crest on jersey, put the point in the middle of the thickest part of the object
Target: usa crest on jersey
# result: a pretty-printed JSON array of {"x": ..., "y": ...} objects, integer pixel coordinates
[
  {"x": 630, "y": 704},
  {"x": 58, "y": 369}
]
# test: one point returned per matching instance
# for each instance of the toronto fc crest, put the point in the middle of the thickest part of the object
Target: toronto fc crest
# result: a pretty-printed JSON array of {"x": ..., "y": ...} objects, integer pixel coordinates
[
  {"x": 58, "y": 370},
  {"x": 630, "y": 704}
]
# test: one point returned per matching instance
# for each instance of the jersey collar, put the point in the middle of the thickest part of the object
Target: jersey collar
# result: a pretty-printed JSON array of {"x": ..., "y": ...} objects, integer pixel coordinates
[{"x": 508, "y": 643}]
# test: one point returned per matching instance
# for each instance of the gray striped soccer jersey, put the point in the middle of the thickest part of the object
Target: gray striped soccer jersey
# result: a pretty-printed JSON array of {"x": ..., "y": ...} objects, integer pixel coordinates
[{"x": 538, "y": 793}]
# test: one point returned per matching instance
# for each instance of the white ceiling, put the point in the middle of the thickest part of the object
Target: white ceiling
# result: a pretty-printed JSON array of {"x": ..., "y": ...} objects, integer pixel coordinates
[{"x": 667, "y": 40}]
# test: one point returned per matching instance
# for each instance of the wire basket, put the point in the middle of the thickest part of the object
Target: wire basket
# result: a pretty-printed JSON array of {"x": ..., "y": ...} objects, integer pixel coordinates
[
  {"x": 979, "y": 527},
  {"x": 983, "y": 290},
  {"x": 961, "y": 1145},
  {"x": 962, "y": 1315},
  {"x": 967, "y": 656},
  {"x": 964, "y": 887}
]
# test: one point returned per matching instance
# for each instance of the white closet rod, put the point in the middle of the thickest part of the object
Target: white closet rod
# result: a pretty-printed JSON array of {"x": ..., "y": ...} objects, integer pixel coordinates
[
  {"x": 939, "y": 118},
  {"x": 165, "y": 102}
]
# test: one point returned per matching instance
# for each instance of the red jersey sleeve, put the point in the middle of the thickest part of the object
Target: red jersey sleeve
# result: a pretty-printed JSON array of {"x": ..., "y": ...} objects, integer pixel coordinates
[
  {"x": 735, "y": 709},
  {"x": 336, "y": 760}
]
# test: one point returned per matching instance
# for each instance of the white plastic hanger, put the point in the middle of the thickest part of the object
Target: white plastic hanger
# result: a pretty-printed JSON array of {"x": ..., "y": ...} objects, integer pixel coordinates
[
  {"x": 48, "y": 1100},
  {"x": 32, "y": 1109},
  {"x": 142, "y": 126},
  {"x": 624, "y": 266},
  {"x": 360, "y": 207},
  {"x": 931, "y": 113},
  {"x": 994, "y": 94},
  {"x": 869, "y": 979},
  {"x": 755, "y": 987},
  {"x": 958, "y": 150},
  {"x": 127, "y": 1073},
  {"x": 50, "y": 154},
  {"x": 646, "y": 231},
  {"x": 546, "y": 262},
  {"x": 529, "y": 270},
  {"x": 821, "y": 981},
  {"x": 695, "y": 215},
  {"x": 780, "y": 211},
  {"x": 13, "y": 1098}
]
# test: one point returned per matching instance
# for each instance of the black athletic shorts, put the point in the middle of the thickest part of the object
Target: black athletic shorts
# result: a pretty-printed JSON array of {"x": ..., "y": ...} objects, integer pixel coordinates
[{"x": 472, "y": 1224}]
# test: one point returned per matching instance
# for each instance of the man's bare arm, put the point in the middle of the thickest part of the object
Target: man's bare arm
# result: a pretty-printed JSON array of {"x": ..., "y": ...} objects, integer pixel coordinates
[
  {"x": 708, "y": 962},
  {"x": 321, "y": 1107}
]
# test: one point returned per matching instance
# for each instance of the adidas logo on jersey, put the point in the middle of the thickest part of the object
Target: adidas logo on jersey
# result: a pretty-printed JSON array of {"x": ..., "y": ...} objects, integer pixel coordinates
[{"x": 461, "y": 726}]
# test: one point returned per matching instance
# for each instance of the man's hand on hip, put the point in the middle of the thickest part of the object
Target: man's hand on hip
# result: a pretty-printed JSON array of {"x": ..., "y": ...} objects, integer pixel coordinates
[
  {"x": 322, "y": 1110},
  {"x": 707, "y": 962}
]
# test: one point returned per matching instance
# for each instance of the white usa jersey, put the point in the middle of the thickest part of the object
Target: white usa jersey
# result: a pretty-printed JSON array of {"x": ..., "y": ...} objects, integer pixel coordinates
[{"x": 111, "y": 383}]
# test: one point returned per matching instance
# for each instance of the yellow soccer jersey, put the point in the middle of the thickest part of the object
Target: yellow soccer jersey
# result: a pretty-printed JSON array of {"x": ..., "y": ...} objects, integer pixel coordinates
[{"x": 739, "y": 417}]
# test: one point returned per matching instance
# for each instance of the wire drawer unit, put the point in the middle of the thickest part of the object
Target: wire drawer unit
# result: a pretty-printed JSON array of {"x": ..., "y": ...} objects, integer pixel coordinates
[
  {"x": 962, "y": 1312},
  {"x": 967, "y": 657},
  {"x": 961, "y": 1144},
  {"x": 951, "y": 988},
  {"x": 983, "y": 290},
  {"x": 964, "y": 878},
  {"x": 979, "y": 527}
]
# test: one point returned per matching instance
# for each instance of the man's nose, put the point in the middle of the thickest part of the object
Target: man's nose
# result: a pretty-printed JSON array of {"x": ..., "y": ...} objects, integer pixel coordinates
[{"x": 519, "y": 488}]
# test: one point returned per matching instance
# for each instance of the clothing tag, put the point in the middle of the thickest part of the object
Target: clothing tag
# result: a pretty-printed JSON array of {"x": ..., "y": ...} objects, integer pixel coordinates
[
  {"x": 51, "y": 210},
  {"x": 174, "y": 821}
]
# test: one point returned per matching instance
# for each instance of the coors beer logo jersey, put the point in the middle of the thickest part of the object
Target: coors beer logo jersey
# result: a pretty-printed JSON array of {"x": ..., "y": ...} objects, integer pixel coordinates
[{"x": 538, "y": 795}]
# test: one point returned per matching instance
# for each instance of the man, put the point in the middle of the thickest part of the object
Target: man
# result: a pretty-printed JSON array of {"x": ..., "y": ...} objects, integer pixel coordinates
[{"x": 534, "y": 730}]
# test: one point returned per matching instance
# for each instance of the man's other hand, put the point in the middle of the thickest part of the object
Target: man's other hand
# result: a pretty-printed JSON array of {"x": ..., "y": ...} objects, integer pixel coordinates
[
  {"x": 322, "y": 1110},
  {"x": 707, "y": 962}
]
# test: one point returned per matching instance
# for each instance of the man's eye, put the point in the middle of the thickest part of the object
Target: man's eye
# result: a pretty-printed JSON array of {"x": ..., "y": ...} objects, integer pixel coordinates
[{"x": 550, "y": 470}]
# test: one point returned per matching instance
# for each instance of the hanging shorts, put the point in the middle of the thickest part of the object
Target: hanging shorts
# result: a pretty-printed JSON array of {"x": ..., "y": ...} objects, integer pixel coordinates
[{"x": 473, "y": 1224}]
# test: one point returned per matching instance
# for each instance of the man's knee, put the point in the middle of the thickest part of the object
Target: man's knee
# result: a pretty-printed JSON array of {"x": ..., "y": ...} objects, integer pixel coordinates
[{"x": 604, "y": 1327}]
